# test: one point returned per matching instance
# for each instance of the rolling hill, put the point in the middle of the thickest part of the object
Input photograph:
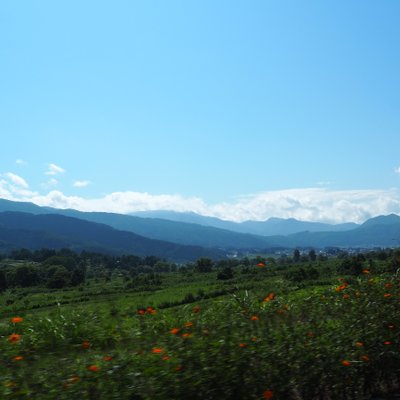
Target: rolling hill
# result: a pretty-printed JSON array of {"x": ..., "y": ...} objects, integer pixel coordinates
[
  {"x": 31, "y": 231},
  {"x": 155, "y": 228}
]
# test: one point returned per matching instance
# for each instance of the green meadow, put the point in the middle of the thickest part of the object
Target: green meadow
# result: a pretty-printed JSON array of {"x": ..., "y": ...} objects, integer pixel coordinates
[{"x": 320, "y": 329}]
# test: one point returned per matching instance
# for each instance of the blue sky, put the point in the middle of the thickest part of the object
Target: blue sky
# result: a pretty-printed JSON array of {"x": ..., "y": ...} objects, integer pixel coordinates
[{"x": 228, "y": 108}]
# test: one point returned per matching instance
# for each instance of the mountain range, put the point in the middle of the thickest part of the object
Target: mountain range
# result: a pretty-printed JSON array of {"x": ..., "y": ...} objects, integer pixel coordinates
[
  {"x": 270, "y": 227},
  {"x": 179, "y": 236},
  {"x": 25, "y": 230}
]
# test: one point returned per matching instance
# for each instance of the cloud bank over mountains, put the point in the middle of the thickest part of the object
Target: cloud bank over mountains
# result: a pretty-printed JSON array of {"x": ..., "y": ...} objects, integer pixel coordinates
[{"x": 309, "y": 204}]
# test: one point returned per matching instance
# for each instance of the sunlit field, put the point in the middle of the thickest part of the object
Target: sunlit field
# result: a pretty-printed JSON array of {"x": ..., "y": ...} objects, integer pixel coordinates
[{"x": 271, "y": 331}]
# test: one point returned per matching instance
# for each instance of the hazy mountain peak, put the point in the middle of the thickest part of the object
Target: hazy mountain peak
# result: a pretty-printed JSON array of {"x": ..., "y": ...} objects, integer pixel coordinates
[{"x": 382, "y": 220}]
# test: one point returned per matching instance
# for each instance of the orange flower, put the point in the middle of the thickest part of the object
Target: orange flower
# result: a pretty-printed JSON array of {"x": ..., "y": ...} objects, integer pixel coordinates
[
  {"x": 386, "y": 295},
  {"x": 261, "y": 265},
  {"x": 107, "y": 358},
  {"x": 365, "y": 271},
  {"x": 254, "y": 339},
  {"x": 189, "y": 324},
  {"x": 196, "y": 309},
  {"x": 93, "y": 368},
  {"x": 346, "y": 296},
  {"x": 174, "y": 331},
  {"x": 359, "y": 344},
  {"x": 85, "y": 344},
  {"x": 141, "y": 312},
  {"x": 178, "y": 368},
  {"x": 166, "y": 358},
  {"x": 186, "y": 335},
  {"x": 157, "y": 350},
  {"x": 254, "y": 318},
  {"x": 365, "y": 358},
  {"x": 151, "y": 310},
  {"x": 270, "y": 297},
  {"x": 268, "y": 394},
  {"x": 341, "y": 287},
  {"x": 16, "y": 320},
  {"x": 242, "y": 344},
  {"x": 346, "y": 363},
  {"x": 388, "y": 285},
  {"x": 18, "y": 358},
  {"x": 14, "y": 338},
  {"x": 388, "y": 342}
]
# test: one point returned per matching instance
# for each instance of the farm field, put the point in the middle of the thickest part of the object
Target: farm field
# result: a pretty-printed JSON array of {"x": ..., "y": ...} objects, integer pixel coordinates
[{"x": 306, "y": 330}]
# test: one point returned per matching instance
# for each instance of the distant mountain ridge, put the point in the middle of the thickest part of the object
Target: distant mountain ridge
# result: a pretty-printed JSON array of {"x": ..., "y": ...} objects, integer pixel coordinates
[
  {"x": 381, "y": 231},
  {"x": 270, "y": 227},
  {"x": 20, "y": 229},
  {"x": 172, "y": 231}
]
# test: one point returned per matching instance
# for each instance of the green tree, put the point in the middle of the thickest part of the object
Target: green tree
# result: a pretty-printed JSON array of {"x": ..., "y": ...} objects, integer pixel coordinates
[
  {"x": 26, "y": 275},
  {"x": 296, "y": 256},
  {"x": 312, "y": 255},
  {"x": 58, "y": 278},
  {"x": 3, "y": 281},
  {"x": 225, "y": 274},
  {"x": 77, "y": 276},
  {"x": 204, "y": 264}
]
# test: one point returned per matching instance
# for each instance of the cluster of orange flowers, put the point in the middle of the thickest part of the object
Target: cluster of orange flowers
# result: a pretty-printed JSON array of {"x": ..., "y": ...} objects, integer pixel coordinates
[
  {"x": 175, "y": 331},
  {"x": 15, "y": 337},
  {"x": 161, "y": 352},
  {"x": 148, "y": 310}
]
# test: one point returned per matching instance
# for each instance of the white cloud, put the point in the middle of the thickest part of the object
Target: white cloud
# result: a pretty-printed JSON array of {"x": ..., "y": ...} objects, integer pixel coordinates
[
  {"x": 16, "y": 180},
  {"x": 20, "y": 162},
  {"x": 81, "y": 184},
  {"x": 15, "y": 188},
  {"x": 312, "y": 204},
  {"x": 397, "y": 170},
  {"x": 122, "y": 202},
  {"x": 4, "y": 192},
  {"x": 54, "y": 169}
]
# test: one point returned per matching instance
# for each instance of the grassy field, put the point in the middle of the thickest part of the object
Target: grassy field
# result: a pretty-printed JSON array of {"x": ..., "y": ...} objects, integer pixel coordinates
[{"x": 265, "y": 333}]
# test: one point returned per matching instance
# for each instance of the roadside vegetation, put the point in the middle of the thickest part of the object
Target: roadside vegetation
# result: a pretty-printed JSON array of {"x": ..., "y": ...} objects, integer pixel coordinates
[{"x": 300, "y": 327}]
